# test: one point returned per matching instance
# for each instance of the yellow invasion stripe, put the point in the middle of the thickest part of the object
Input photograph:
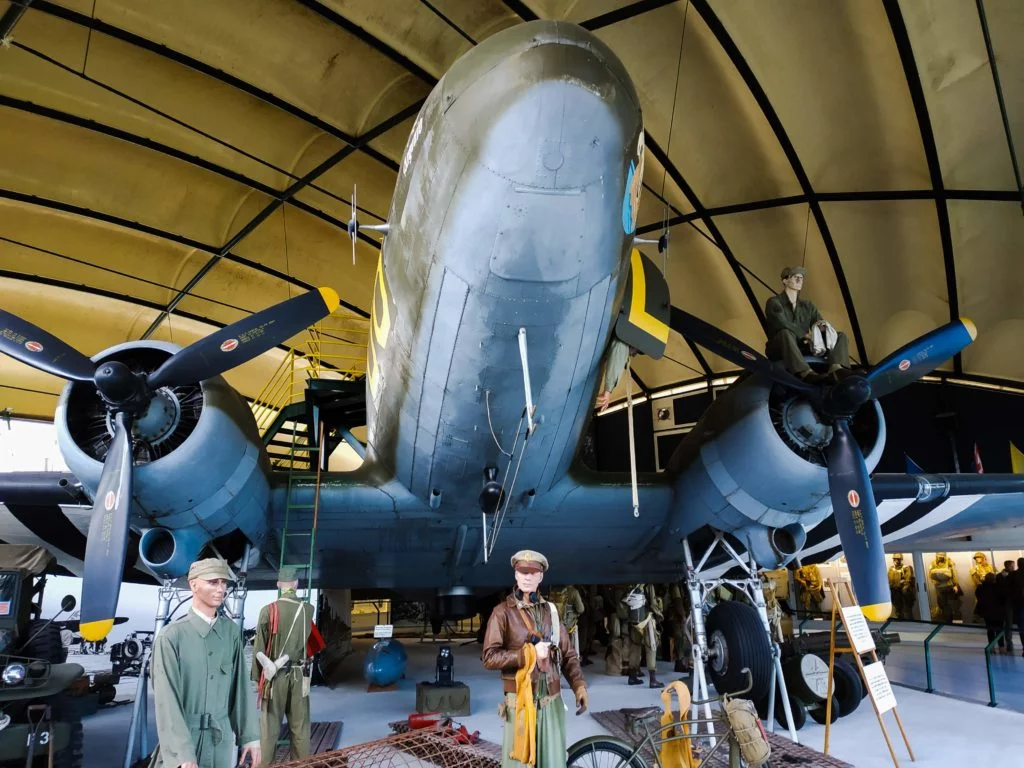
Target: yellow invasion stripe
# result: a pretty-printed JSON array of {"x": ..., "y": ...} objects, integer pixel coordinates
[
  {"x": 379, "y": 329},
  {"x": 638, "y": 315}
]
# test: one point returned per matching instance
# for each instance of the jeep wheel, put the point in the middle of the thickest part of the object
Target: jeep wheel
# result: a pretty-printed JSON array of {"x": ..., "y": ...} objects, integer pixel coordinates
[{"x": 46, "y": 645}]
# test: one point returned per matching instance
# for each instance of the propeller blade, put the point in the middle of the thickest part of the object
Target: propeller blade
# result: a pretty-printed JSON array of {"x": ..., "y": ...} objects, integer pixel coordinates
[
  {"x": 107, "y": 541},
  {"x": 33, "y": 346},
  {"x": 920, "y": 357},
  {"x": 732, "y": 349},
  {"x": 242, "y": 341},
  {"x": 853, "y": 504}
]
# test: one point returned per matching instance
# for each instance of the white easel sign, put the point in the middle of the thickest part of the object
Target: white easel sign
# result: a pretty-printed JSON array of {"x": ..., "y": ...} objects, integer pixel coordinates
[
  {"x": 857, "y": 629},
  {"x": 879, "y": 688},
  {"x": 383, "y": 631}
]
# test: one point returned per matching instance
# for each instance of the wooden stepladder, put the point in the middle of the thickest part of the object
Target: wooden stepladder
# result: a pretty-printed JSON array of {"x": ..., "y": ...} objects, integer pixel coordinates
[{"x": 872, "y": 675}]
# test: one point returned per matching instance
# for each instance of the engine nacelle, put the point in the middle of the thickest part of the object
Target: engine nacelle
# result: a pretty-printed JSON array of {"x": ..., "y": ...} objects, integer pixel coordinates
[
  {"x": 757, "y": 468},
  {"x": 200, "y": 473}
]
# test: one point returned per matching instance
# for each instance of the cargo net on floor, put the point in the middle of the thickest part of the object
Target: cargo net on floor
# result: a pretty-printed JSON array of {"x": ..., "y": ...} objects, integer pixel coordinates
[{"x": 406, "y": 750}]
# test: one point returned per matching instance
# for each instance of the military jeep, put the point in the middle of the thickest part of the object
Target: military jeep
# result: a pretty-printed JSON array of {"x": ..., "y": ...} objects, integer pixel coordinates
[{"x": 38, "y": 712}]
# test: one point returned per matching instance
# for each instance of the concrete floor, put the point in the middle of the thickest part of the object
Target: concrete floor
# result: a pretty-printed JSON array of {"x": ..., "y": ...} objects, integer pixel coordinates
[{"x": 942, "y": 731}]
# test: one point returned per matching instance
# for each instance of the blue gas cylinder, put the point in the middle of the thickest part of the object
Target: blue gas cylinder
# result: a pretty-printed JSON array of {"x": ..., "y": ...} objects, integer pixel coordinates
[{"x": 385, "y": 663}]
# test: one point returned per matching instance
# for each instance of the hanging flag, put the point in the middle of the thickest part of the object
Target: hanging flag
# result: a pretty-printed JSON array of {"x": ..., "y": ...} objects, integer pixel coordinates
[
  {"x": 913, "y": 468},
  {"x": 977, "y": 461},
  {"x": 1016, "y": 459}
]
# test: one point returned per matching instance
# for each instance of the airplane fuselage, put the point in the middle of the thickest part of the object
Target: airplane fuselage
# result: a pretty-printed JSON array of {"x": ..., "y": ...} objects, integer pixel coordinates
[{"x": 508, "y": 214}]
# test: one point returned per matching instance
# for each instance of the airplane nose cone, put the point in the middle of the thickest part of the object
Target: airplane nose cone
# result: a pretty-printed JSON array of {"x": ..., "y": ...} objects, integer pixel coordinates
[{"x": 560, "y": 108}]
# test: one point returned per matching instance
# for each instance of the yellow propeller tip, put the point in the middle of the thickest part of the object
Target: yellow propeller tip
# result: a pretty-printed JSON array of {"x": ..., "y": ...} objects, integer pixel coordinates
[
  {"x": 93, "y": 631},
  {"x": 331, "y": 298},
  {"x": 972, "y": 329},
  {"x": 876, "y": 612}
]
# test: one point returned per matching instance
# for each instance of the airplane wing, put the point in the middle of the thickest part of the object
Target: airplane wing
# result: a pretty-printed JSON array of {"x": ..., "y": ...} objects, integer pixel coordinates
[
  {"x": 914, "y": 509},
  {"x": 50, "y": 509}
]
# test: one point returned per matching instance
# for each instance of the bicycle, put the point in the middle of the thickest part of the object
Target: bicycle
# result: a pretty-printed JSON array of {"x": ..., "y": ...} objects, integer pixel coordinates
[{"x": 612, "y": 752}]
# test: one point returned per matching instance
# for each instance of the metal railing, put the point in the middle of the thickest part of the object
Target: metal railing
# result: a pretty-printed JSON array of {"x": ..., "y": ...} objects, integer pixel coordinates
[
  {"x": 937, "y": 627},
  {"x": 333, "y": 348}
]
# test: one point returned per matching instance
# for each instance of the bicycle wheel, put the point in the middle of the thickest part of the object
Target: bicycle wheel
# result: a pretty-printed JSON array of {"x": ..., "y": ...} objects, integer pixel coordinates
[{"x": 602, "y": 753}]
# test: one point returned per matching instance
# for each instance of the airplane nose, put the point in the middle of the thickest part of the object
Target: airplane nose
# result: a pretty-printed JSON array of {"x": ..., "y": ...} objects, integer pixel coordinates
[{"x": 558, "y": 107}]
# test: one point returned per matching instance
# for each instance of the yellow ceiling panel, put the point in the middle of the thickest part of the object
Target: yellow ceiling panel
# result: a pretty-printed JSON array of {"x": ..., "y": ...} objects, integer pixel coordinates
[
  {"x": 86, "y": 169},
  {"x": 698, "y": 108},
  {"x": 239, "y": 122},
  {"x": 892, "y": 257},
  {"x": 37, "y": 82},
  {"x": 314, "y": 252},
  {"x": 1006, "y": 25},
  {"x": 575, "y": 10},
  {"x": 702, "y": 283},
  {"x": 65, "y": 43},
  {"x": 281, "y": 47},
  {"x": 479, "y": 19},
  {"x": 87, "y": 322},
  {"x": 409, "y": 26},
  {"x": 374, "y": 182},
  {"x": 957, "y": 84},
  {"x": 987, "y": 240},
  {"x": 79, "y": 250},
  {"x": 659, "y": 189},
  {"x": 834, "y": 76},
  {"x": 392, "y": 143}
]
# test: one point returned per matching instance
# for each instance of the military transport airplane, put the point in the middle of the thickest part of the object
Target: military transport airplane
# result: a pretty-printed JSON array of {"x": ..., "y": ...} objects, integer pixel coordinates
[{"x": 508, "y": 264}]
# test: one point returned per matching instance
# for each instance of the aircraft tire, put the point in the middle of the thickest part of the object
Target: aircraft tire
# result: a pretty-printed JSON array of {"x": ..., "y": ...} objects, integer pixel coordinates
[
  {"x": 799, "y": 712},
  {"x": 849, "y": 688},
  {"x": 817, "y": 712},
  {"x": 736, "y": 639}
]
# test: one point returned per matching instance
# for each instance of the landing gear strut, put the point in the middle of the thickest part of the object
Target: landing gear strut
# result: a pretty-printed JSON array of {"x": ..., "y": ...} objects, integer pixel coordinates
[{"x": 733, "y": 636}]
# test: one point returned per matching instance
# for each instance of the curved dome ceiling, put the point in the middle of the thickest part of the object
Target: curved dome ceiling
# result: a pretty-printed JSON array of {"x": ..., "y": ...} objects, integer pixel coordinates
[{"x": 199, "y": 157}]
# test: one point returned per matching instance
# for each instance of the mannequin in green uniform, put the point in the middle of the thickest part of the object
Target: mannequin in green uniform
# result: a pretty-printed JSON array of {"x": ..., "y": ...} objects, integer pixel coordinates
[
  {"x": 284, "y": 682},
  {"x": 789, "y": 323},
  {"x": 203, "y": 702}
]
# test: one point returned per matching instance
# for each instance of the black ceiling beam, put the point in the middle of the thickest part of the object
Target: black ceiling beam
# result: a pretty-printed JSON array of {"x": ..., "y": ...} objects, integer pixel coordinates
[
  {"x": 701, "y": 360},
  {"x": 761, "y": 97},
  {"x": 187, "y": 126},
  {"x": 640, "y": 382},
  {"x": 521, "y": 9},
  {"x": 994, "y": 195},
  {"x": 374, "y": 42},
  {"x": 994, "y": 66},
  {"x": 180, "y": 58},
  {"x": 134, "y": 226},
  {"x": 709, "y": 222},
  {"x": 177, "y": 154},
  {"x": 11, "y": 16},
  {"x": 931, "y": 153},
  {"x": 267, "y": 211},
  {"x": 448, "y": 21},
  {"x": 625, "y": 13}
]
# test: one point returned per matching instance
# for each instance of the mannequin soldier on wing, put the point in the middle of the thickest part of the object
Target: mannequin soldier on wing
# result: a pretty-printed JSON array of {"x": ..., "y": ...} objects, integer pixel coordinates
[{"x": 791, "y": 325}]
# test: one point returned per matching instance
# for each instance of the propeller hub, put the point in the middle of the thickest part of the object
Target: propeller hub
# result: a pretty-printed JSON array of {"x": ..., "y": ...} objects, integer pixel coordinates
[
  {"x": 158, "y": 421},
  {"x": 117, "y": 384},
  {"x": 847, "y": 396}
]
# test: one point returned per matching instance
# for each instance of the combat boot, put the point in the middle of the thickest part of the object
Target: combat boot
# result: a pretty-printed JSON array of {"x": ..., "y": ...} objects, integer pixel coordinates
[
  {"x": 654, "y": 681},
  {"x": 634, "y": 677}
]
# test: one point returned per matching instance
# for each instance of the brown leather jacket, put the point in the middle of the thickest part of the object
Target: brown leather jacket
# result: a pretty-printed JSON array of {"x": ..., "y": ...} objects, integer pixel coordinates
[{"x": 506, "y": 635}]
